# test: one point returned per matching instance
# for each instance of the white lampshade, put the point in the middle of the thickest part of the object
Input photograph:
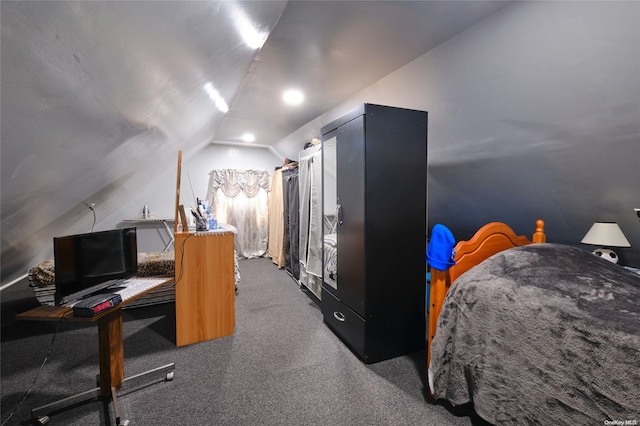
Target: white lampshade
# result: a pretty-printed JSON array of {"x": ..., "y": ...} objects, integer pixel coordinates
[{"x": 606, "y": 234}]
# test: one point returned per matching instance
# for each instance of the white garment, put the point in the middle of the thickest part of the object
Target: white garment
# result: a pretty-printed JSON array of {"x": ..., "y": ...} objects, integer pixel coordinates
[{"x": 310, "y": 190}]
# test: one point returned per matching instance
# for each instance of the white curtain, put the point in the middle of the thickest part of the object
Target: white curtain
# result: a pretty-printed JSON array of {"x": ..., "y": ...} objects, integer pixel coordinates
[
  {"x": 240, "y": 198},
  {"x": 311, "y": 236}
]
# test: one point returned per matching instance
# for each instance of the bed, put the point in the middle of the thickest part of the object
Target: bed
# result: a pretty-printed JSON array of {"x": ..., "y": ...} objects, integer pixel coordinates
[{"x": 535, "y": 333}]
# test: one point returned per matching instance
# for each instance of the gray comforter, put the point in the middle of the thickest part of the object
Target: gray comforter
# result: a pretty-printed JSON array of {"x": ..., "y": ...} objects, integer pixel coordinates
[{"x": 541, "y": 334}]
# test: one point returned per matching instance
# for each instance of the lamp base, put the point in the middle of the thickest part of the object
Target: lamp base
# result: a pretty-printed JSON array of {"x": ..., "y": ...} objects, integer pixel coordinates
[{"x": 606, "y": 253}]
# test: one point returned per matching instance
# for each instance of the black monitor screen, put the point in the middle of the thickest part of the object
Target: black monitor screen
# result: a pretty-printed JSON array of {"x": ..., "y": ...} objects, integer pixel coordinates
[{"x": 85, "y": 262}]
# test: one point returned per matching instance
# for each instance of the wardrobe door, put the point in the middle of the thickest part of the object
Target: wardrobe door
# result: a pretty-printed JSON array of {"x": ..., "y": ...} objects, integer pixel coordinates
[{"x": 351, "y": 251}]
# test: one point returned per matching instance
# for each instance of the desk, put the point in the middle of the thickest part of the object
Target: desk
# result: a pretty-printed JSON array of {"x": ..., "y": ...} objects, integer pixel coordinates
[
  {"x": 205, "y": 309},
  {"x": 110, "y": 351},
  {"x": 154, "y": 221}
]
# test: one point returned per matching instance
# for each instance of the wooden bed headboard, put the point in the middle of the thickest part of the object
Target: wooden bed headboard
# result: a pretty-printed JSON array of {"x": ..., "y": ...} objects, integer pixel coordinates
[{"x": 492, "y": 238}]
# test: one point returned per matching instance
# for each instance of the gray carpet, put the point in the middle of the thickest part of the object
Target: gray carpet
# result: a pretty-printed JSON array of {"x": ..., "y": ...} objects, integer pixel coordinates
[{"x": 282, "y": 366}]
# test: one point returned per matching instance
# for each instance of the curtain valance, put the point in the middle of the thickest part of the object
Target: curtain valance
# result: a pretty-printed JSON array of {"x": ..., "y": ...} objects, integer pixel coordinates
[{"x": 232, "y": 182}]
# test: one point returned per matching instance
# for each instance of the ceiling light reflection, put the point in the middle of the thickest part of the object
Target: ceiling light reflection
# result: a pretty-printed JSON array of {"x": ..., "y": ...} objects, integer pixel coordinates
[
  {"x": 216, "y": 97},
  {"x": 247, "y": 30}
]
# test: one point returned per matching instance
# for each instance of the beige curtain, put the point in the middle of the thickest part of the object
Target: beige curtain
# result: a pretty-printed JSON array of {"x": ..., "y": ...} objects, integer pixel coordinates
[{"x": 275, "y": 248}]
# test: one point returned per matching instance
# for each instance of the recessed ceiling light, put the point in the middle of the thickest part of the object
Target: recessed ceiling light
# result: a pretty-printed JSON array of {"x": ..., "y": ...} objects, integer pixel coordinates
[
  {"x": 293, "y": 97},
  {"x": 248, "y": 137}
]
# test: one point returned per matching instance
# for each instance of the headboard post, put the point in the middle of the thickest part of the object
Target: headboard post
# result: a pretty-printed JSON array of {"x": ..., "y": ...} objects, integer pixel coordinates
[
  {"x": 439, "y": 285},
  {"x": 539, "y": 236}
]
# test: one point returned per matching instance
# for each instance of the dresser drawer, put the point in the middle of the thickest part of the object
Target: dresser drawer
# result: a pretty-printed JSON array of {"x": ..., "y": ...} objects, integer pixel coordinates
[{"x": 344, "y": 322}]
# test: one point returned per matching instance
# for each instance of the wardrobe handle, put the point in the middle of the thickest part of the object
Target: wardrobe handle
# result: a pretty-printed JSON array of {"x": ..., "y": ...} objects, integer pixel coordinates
[
  {"x": 339, "y": 210},
  {"x": 339, "y": 316}
]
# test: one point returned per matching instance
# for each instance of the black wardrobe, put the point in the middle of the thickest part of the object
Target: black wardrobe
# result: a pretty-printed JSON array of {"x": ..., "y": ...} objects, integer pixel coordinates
[{"x": 374, "y": 202}]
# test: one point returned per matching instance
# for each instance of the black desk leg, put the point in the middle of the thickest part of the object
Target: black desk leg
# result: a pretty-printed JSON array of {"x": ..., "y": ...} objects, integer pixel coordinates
[{"x": 40, "y": 415}]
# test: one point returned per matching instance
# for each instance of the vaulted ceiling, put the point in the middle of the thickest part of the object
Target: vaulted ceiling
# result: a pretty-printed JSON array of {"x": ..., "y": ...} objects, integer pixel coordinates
[{"x": 97, "y": 97}]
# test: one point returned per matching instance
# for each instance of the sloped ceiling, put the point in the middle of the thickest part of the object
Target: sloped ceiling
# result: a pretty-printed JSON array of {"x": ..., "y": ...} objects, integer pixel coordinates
[
  {"x": 97, "y": 97},
  {"x": 332, "y": 49}
]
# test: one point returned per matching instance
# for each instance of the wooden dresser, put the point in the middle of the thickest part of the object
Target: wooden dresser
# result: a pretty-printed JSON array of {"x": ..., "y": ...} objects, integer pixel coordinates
[{"x": 205, "y": 286}]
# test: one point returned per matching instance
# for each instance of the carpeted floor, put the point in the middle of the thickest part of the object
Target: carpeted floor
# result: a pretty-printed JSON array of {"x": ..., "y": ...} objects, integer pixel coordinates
[{"x": 282, "y": 366}]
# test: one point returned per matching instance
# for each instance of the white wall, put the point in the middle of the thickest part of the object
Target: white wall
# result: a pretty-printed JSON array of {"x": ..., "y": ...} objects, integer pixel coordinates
[
  {"x": 160, "y": 194},
  {"x": 533, "y": 113}
]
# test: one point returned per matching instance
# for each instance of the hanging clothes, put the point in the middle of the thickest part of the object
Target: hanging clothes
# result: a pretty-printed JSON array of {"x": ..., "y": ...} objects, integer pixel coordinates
[
  {"x": 240, "y": 198},
  {"x": 275, "y": 245},
  {"x": 310, "y": 229},
  {"x": 291, "y": 221}
]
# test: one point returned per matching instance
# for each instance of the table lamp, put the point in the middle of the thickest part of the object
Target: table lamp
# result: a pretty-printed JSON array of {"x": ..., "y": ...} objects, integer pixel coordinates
[{"x": 606, "y": 234}]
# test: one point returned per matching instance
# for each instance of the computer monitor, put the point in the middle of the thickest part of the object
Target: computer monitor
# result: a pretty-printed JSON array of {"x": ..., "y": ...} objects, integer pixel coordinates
[{"x": 86, "y": 263}]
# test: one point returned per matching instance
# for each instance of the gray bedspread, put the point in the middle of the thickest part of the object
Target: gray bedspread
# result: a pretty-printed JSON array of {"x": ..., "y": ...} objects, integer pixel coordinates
[{"x": 541, "y": 334}]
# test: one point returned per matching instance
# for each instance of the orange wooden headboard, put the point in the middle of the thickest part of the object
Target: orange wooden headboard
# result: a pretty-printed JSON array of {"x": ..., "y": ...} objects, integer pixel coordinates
[{"x": 490, "y": 239}]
